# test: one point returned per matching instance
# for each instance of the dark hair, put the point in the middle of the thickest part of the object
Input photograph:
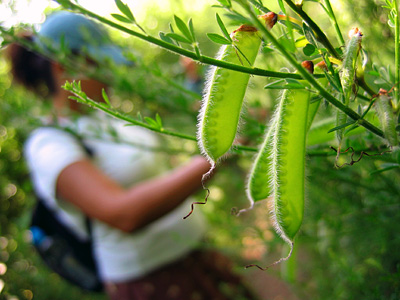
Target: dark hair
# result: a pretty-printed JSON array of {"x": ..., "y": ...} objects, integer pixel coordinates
[{"x": 30, "y": 69}]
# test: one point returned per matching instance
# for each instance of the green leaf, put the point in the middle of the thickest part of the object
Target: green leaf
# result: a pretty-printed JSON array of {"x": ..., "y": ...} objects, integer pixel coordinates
[
  {"x": 283, "y": 84},
  {"x": 301, "y": 42},
  {"x": 121, "y": 18},
  {"x": 166, "y": 38},
  {"x": 191, "y": 28},
  {"x": 152, "y": 122},
  {"x": 309, "y": 34},
  {"x": 183, "y": 28},
  {"x": 287, "y": 43},
  {"x": 159, "y": 121},
  {"x": 282, "y": 6},
  {"x": 125, "y": 10},
  {"x": 139, "y": 116},
  {"x": 342, "y": 126},
  {"x": 105, "y": 97},
  {"x": 178, "y": 38},
  {"x": 386, "y": 167},
  {"x": 219, "y": 39},
  {"x": 309, "y": 50},
  {"x": 225, "y": 3},
  {"x": 237, "y": 19},
  {"x": 223, "y": 28}
]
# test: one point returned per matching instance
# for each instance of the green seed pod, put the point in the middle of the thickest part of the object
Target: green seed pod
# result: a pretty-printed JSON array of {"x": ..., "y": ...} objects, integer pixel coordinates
[
  {"x": 386, "y": 118},
  {"x": 283, "y": 151},
  {"x": 347, "y": 76},
  {"x": 225, "y": 90},
  {"x": 348, "y": 71}
]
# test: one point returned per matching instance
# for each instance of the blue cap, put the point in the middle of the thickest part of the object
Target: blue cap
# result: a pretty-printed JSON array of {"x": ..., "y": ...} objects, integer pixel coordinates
[{"x": 78, "y": 33}]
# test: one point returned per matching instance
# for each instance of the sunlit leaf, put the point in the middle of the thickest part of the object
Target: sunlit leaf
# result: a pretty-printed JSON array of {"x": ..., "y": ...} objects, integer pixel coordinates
[
  {"x": 152, "y": 122},
  {"x": 183, "y": 28},
  {"x": 223, "y": 28},
  {"x": 219, "y": 39},
  {"x": 125, "y": 10},
  {"x": 165, "y": 38},
  {"x": 178, "y": 38},
  {"x": 121, "y": 18},
  {"x": 191, "y": 28}
]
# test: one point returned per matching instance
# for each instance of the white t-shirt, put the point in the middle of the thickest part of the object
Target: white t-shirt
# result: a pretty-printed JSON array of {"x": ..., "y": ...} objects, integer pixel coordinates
[{"x": 123, "y": 153}]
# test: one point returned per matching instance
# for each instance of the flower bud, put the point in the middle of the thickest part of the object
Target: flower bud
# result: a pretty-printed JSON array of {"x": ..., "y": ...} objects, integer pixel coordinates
[
  {"x": 354, "y": 31},
  {"x": 308, "y": 65},
  {"x": 270, "y": 19},
  {"x": 322, "y": 65}
]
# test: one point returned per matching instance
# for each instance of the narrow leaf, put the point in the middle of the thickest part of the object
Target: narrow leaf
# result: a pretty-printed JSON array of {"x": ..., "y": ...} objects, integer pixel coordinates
[
  {"x": 225, "y": 3},
  {"x": 309, "y": 34},
  {"x": 219, "y": 39},
  {"x": 121, "y": 18},
  {"x": 282, "y": 6},
  {"x": 223, "y": 28},
  {"x": 125, "y": 10},
  {"x": 191, "y": 28},
  {"x": 151, "y": 122},
  {"x": 342, "y": 126},
  {"x": 178, "y": 38},
  {"x": 165, "y": 38},
  {"x": 283, "y": 84},
  {"x": 159, "y": 121},
  {"x": 183, "y": 28},
  {"x": 386, "y": 167},
  {"x": 105, "y": 97}
]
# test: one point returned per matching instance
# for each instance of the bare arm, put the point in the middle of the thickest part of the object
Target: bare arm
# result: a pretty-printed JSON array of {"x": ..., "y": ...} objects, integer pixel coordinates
[{"x": 100, "y": 197}]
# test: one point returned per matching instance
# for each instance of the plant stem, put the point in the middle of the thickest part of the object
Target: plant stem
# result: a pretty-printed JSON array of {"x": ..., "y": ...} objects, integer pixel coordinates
[
  {"x": 307, "y": 76},
  {"x": 321, "y": 37},
  {"x": 81, "y": 97},
  {"x": 397, "y": 56},
  {"x": 334, "y": 21},
  {"x": 304, "y": 74},
  {"x": 188, "y": 53}
]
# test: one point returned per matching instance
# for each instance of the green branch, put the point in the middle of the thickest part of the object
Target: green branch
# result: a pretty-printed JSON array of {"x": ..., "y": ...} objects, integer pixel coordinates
[
  {"x": 303, "y": 74},
  {"x": 307, "y": 76},
  {"x": 334, "y": 21},
  {"x": 81, "y": 97},
  {"x": 397, "y": 55},
  {"x": 184, "y": 52},
  {"x": 320, "y": 36}
]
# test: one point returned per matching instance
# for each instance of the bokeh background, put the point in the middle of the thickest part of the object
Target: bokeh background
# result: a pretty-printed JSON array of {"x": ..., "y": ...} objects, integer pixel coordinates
[{"x": 348, "y": 247}]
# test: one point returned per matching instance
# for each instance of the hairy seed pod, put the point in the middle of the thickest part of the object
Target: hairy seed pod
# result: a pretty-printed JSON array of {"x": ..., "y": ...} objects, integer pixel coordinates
[
  {"x": 349, "y": 63},
  {"x": 347, "y": 76},
  {"x": 283, "y": 151},
  {"x": 386, "y": 118},
  {"x": 225, "y": 90}
]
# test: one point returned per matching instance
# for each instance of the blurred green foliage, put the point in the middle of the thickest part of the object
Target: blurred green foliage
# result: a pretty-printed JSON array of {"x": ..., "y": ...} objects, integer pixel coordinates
[{"x": 348, "y": 245}]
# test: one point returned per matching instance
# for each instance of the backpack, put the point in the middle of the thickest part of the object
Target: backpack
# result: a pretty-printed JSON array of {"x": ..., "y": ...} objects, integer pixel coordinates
[{"x": 62, "y": 250}]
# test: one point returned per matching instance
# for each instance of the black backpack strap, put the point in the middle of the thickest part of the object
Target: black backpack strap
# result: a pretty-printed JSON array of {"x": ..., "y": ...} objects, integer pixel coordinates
[
  {"x": 72, "y": 256},
  {"x": 82, "y": 271}
]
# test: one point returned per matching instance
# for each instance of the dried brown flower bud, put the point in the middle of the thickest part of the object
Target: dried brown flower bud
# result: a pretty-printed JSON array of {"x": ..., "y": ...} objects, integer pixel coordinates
[
  {"x": 246, "y": 27},
  {"x": 322, "y": 65},
  {"x": 308, "y": 65},
  {"x": 270, "y": 19}
]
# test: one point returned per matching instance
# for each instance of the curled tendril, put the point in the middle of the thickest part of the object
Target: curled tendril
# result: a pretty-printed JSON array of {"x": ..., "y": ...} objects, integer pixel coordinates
[
  {"x": 275, "y": 263},
  {"x": 353, "y": 161},
  {"x": 203, "y": 179}
]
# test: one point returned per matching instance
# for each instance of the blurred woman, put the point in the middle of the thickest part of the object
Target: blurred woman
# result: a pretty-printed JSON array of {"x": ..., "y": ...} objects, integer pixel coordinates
[{"x": 142, "y": 247}]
